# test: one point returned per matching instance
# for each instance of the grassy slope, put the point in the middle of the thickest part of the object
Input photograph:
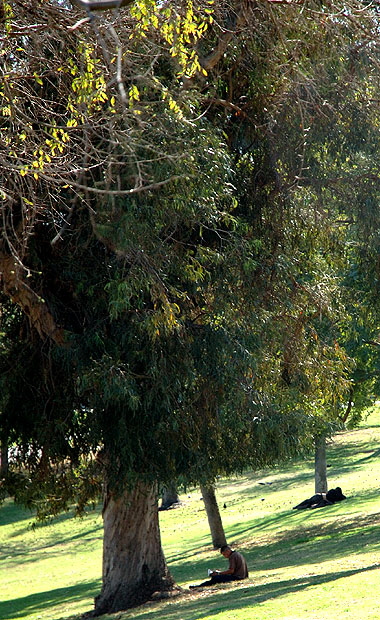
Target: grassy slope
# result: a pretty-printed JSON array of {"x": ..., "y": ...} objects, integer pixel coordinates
[{"x": 319, "y": 564}]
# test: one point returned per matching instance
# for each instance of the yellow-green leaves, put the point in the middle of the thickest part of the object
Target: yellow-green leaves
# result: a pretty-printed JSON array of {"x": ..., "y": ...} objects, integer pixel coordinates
[
  {"x": 180, "y": 27},
  {"x": 173, "y": 105},
  {"x": 58, "y": 140},
  {"x": 7, "y": 16},
  {"x": 133, "y": 95},
  {"x": 164, "y": 318},
  {"x": 38, "y": 78},
  {"x": 88, "y": 84},
  {"x": 42, "y": 156}
]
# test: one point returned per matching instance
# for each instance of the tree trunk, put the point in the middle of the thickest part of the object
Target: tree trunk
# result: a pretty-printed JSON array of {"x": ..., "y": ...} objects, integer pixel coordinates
[
  {"x": 320, "y": 465},
  {"x": 169, "y": 496},
  {"x": 215, "y": 522},
  {"x": 134, "y": 566},
  {"x": 349, "y": 406}
]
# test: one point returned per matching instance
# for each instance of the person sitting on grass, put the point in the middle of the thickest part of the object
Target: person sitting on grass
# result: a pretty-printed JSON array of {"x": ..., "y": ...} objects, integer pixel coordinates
[{"x": 237, "y": 569}]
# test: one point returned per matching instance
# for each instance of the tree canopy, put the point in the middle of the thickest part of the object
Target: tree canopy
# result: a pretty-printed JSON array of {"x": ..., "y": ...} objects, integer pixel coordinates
[{"x": 188, "y": 190}]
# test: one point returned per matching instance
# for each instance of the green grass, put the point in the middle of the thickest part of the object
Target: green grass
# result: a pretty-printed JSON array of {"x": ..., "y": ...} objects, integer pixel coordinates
[{"x": 320, "y": 564}]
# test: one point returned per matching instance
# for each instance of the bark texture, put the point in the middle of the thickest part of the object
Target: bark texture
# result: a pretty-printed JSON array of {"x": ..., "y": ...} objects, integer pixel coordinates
[
  {"x": 134, "y": 566},
  {"x": 320, "y": 465},
  {"x": 214, "y": 519}
]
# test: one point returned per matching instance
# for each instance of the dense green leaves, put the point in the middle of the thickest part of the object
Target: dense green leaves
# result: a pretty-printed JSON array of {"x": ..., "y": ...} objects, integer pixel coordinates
[{"x": 187, "y": 209}]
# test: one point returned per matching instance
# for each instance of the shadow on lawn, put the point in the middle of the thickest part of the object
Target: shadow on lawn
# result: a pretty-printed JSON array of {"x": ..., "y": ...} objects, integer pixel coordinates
[
  {"x": 356, "y": 451},
  {"x": 13, "y": 551},
  {"x": 339, "y": 534},
  {"x": 11, "y": 513},
  {"x": 314, "y": 544},
  {"x": 207, "y": 602},
  {"x": 307, "y": 542},
  {"x": 341, "y": 460},
  {"x": 34, "y": 603}
]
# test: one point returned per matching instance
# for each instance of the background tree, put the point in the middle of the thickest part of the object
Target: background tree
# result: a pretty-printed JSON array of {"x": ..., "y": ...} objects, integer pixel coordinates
[
  {"x": 218, "y": 535},
  {"x": 296, "y": 176}
]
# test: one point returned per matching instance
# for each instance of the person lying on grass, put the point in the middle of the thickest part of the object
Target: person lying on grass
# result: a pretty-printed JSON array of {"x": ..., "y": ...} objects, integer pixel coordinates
[
  {"x": 322, "y": 499},
  {"x": 237, "y": 569}
]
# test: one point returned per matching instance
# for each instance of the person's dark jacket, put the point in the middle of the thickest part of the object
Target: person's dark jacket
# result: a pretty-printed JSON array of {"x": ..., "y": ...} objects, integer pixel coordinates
[{"x": 322, "y": 499}]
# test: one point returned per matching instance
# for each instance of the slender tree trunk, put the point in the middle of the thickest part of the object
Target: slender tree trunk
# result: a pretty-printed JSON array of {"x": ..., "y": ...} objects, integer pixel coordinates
[
  {"x": 320, "y": 465},
  {"x": 134, "y": 566},
  {"x": 349, "y": 406},
  {"x": 215, "y": 522},
  {"x": 169, "y": 496}
]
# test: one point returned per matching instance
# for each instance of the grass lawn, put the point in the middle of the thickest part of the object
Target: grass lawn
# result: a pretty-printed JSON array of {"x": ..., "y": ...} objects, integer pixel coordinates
[{"x": 316, "y": 564}]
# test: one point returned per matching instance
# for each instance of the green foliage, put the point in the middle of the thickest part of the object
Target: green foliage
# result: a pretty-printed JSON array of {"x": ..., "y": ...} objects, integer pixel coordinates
[
  {"x": 194, "y": 232},
  {"x": 304, "y": 147}
]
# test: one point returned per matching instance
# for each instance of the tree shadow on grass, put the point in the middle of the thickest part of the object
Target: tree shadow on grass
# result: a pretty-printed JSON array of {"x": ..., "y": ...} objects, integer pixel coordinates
[
  {"x": 307, "y": 543},
  {"x": 356, "y": 452},
  {"x": 12, "y": 551},
  {"x": 318, "y": 543},
  {"x": 11, "y": 513},
  {"x": 373, "y": 454},
  {"x": 209, "y": 602},
  {"x": 290, "y": 519},
  {"x": 34, "y": 603},
  {"x": 281, "y": 478}
]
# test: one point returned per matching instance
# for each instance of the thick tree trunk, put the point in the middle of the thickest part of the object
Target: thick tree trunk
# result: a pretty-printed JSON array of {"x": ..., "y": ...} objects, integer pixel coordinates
[
  {"x": 169, "y": 496},
  {"x": 215, "y": 522},
  {"x": 320, "y": 465},
  {"x": 134, "y": 566}
]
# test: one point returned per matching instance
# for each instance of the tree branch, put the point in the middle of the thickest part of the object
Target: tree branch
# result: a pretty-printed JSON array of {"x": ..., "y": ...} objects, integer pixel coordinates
[
  {"x": 122, "y": 192},
  {"x": 35, "y": 308},
  {"x": 228, "y": 32}
]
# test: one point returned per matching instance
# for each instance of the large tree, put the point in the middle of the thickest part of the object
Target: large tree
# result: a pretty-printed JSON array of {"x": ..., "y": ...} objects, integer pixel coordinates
[
  {"x": 167, "y": 307},
  {"x": 117, "y": 214}
]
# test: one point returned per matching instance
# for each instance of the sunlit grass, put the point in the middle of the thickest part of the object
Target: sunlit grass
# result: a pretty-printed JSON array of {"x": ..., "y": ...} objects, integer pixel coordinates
[{"x": 316, "y": 564}]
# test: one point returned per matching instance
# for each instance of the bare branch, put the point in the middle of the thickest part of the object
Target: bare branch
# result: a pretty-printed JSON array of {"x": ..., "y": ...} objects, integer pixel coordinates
[{"x": 121, "y": 192}]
